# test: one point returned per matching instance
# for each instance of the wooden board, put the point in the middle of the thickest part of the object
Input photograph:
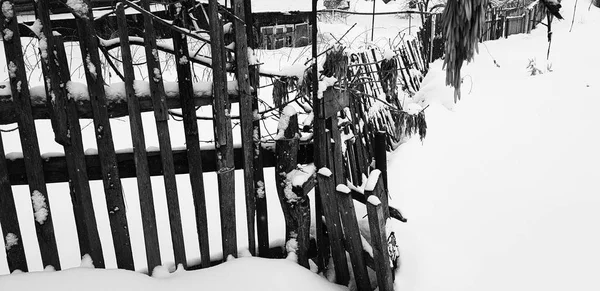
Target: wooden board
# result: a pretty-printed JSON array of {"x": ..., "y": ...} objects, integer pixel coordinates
[{"x": 141, "y": 168}]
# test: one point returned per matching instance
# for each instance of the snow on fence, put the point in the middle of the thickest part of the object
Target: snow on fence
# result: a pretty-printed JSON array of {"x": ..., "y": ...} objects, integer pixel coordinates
[{"x": 348, "y": 143}]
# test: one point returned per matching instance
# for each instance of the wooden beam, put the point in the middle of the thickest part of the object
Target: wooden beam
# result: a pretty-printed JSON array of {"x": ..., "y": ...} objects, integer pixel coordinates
[{"x": 115, "y": 107}]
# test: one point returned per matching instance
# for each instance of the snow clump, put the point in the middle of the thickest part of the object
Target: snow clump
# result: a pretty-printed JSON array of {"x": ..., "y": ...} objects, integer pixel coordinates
[
  {"x": 11, "y": 240},
  {"x": 7, "y": 10},
  {"x": 8, "y": 34},
  {"x": 87, "y": 262},
  {"x": 260, "y": 189},
  {"x": 79, "y": 8},
  {"x": 40, "y": 208},
  {"x": 284, "y": 121}
]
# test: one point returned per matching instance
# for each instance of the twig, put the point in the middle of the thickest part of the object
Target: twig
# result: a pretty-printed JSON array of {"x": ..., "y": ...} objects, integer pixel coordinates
[
  {"x": 110, "y": 63},
  {"x": 573, "y": 20}
]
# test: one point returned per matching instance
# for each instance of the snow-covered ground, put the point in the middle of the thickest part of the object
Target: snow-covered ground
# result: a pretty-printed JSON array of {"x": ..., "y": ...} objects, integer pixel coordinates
[{"x": 502, "y": 194}]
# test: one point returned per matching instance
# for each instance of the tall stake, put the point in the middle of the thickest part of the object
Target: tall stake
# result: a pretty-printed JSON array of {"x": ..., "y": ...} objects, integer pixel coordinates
[{"x": 373, "y": 21}]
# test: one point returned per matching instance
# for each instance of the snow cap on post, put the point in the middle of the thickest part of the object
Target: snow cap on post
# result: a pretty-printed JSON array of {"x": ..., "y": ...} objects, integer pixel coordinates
[
  {"x": 325, "y": 172},
  {"x": 373, "y": 200},
  {"x": 373, "y": 179},
  {"x": 342, "y": 188}
]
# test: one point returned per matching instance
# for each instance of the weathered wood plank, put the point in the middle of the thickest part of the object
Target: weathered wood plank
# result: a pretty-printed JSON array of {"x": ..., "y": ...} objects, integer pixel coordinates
[
  {"x": 116, "y": 108},
  {"x": 335, "y": 101},
  {"x": 353, "y": 239},
  {"x": 88, "y": 43},
  {"x": 262, "y": 219},
  {"x": 15, "y": 253},
  {"x": 142, "y": 171},
  {"x": 379, "y": 243},
  {"x": 161, "y": 116},
  {"x": 54, "y": 89},
  {"x": 55, "y": 168},
  {"x": 81, "y": 195},
  {"x": 192, "y": 139},
  {"x": 223, "y": 135},
  {"x": 27, "y": 133},
  {"x": 381, "y": 165},
  {"x": 334, "y": 227},
  {"x": 294, "y": 203},
  {"x": 246, "y": 118}
]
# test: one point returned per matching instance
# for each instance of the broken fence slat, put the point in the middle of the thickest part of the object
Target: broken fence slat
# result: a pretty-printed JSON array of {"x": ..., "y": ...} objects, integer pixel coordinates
[{"x": 377, "y": 223}]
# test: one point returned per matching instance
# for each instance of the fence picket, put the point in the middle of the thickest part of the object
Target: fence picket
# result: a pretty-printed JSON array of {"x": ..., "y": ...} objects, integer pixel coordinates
[
  {"x": 28, "y": 135},
  {"x": 377, "y": 223},
  {"x": 88, "y": 43},
  {"x": 15, "y": 252},
  {"x": 81, "y": 195},
  {"x": 139, "y": 148},
  {"x": 161, "y": 117},
  {"x": 223, "y": 135}
]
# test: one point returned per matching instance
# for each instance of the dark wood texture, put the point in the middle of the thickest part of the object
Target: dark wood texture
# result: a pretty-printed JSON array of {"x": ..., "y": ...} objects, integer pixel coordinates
[
  {"x": 142, "y": 169},
  {"x": 262, "y": 218},
  {"x": 55, "y": 94},
  {"x": 108, "y": 161},
  {"x": 246, "y": 118},
  {"x": 223, "y": 135},
  {"x": 81, "y": 195},
  {"x": 381, "y": 164},
  {"x": 353, "y": 240},
  {"x": 15, "y": 255},
  {"x": 27, "y": 132},
  {"x": 192, "y": 140},
  {"x": 334, "y": 228},
  {"x": 161, "y": 116},
  {"x": 379, "y": 243}
]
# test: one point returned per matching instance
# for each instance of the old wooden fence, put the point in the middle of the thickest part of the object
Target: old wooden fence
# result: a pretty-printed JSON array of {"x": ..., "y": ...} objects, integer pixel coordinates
[
  {"x": 500, "y": 23},
  {"x": 349, "y": 142}
]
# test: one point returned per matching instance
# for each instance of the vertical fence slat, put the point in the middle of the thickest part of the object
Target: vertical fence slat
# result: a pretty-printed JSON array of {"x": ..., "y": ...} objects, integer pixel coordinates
[
  {"x": 113, "y": 190},
  {"x": 334, "y": 227},
  {"x": 139, "y": 148},
  {"x": 28, "y": 135},
  {"x": 81, "y": 195},
  {"x": 246, "y": 118},
  {"x": 223, "y": 135},
  {"x": 192, "y": 140},
  {"x": 381, "y": 165},
  {"x": 379, "y": 241},
  {"x": 262, "y": 219},
  {"x": 161, "y": 116},
  {"x": 353, "y": 240},
  {"x": 15, "y": 253}
]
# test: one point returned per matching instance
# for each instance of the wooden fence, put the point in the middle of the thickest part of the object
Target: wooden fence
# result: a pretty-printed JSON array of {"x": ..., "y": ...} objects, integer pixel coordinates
[
  {"x": 500, "y": 23},
  {"x": 339, "y": 114}
]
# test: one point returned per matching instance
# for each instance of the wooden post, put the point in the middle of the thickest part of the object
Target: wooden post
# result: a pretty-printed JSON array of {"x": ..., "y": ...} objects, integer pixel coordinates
[
  {"x": 352, "y": 237},
  {"x": 88, "y": 42},
  {"x": 262, "y": 221},
  {"x": 190, "y": 124},
  {"x": 377, "y": 223},
  {"x": 15, "y": 253},
  {"x": 223, "y": 135},
  {"x": 27, "y": 132},
  {"x": 334, "y": 227},
  {"x": 294, "y": 202},
  {"x": 164, "y": 140},
  {"x": 246, "y": 118},
  {"x": 139, "y": 148},
  {"x": 381, "y": 165},
  {"x": 81, "y": 195}
]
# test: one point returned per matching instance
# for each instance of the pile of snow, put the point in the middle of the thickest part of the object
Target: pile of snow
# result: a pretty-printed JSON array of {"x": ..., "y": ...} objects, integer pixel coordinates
[{"x": 246, "y": 273}]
